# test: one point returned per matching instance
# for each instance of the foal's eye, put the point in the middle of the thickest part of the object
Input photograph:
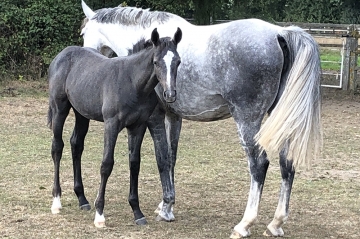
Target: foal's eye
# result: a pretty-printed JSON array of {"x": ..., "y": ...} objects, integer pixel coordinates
[{"x": 156, "y": 63}]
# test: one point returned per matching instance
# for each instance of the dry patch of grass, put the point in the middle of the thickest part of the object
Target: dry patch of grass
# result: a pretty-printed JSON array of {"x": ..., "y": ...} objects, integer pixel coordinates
[{"x": 212, "y": 180}]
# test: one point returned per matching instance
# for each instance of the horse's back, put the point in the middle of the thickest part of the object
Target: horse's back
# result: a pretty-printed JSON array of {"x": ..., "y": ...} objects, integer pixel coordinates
[{"x": 241, "y": 60}]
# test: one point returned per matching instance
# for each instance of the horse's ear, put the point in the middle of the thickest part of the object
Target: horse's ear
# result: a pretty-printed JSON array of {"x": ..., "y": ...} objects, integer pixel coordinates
[
  {"x": 177, "y": 36},
  {"x": 88, "y": 12},
  {"x": 155, "y": 37}
]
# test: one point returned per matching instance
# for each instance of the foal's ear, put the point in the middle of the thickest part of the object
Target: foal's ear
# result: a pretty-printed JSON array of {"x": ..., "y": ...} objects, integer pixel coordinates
[
  {"x": 177, "y": 36},
  {"x": 155, "y": 37}
]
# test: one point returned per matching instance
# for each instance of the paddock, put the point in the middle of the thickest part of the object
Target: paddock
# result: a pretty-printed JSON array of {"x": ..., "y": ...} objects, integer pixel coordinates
[{"x": 325, "y": 201}]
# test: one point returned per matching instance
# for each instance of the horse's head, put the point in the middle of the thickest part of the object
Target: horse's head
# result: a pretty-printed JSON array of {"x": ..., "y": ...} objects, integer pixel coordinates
[
  {"x": 166, "y": 62},
  {"x": 92, "y": 35}
]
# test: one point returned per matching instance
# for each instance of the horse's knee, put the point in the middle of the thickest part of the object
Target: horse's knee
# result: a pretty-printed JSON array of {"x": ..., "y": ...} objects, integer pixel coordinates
[{"x": 57, "y": 146}]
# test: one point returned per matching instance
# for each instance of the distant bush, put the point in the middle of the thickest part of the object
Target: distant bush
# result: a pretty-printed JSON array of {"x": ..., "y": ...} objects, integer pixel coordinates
[{"x": 32, "y": 32}]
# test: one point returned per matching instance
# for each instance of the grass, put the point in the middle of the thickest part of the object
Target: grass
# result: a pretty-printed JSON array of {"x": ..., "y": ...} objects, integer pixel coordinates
[
  {"x": 212, "y": 179},
  {"x": 333, "y": 55}
]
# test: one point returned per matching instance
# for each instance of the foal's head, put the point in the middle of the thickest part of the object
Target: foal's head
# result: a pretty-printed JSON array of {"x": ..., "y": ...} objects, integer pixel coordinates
[{"x": 166, "y": 62}]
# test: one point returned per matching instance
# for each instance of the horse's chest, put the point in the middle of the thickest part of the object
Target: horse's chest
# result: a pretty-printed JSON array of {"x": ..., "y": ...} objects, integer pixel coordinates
[{"x": 138, "y": 113}]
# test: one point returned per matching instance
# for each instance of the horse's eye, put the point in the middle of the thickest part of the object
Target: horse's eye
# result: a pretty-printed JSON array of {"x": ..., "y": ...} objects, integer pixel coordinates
[{"x": 156, "y": 63}]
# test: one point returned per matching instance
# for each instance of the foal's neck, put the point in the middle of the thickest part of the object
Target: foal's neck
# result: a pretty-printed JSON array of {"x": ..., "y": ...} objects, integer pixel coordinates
[{"x": 144, "y": 79}]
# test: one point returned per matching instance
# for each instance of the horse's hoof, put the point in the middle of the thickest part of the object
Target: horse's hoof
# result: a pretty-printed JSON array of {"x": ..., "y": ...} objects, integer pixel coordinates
[
  {"x": 237, "y": 235},
  {"x": 157, "y": 210},
  {"x": 55, "y": 210},
  {"x": 141, "y": 221},
  {"x": 99, "y": 224},
  {"x": 161, "y": 219},
  {"x": 85, "y": 207},
  {"x": 274, "y": 233}
]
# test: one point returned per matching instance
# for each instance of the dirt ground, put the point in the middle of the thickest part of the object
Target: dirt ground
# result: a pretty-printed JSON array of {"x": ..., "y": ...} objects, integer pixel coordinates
[{"x": 212, "y": 180}]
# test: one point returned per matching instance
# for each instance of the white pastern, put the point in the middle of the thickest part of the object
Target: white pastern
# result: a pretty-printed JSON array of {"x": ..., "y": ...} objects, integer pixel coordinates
[
  {"x": 99, "y": 220},
  {"x": 281, "y": 214},
  {"x": 251, "y": 210},
  {"x": 56, "y": 205},
  {"x": 168, "y": 59},
  {"x": 160, "y": 206}
]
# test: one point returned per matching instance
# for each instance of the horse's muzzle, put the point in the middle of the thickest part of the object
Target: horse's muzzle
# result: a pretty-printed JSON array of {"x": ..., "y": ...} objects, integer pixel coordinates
[{"x": 170, "y": 96}]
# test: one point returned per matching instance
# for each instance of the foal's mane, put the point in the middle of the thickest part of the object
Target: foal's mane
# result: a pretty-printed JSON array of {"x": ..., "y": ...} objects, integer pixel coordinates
[
  {"x": 130, "y": 16},
  {"x": 145, "y": 44}
]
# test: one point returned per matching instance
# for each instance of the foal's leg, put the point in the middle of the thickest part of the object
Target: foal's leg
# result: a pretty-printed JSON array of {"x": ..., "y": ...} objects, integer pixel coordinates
[
  {"x": 59, "y": 112},
  {"x": 248, "y": 125},
  {"x": 135, "y": 138},
  {"x": 165, "y": 143},
  {"x": 111, "y": 131},
  {"x": 282, "y": 211},
  {"x": 77, "y": 147}
]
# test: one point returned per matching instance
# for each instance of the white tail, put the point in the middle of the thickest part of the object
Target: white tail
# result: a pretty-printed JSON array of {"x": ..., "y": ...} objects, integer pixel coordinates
[{"x": 296, "y": 118}]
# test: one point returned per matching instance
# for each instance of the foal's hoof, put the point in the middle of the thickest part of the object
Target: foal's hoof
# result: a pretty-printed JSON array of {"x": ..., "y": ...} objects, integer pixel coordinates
[
  {"x": 55, "y": 210},
  {"x": 85, "y": 207},
  {"x": 142, "y": 221},
  {"x": 99, "y": 224}
]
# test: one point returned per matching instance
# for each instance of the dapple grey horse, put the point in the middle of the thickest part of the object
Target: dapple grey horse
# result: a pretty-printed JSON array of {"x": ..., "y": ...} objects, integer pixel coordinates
[{"x": 243, "y": 69}]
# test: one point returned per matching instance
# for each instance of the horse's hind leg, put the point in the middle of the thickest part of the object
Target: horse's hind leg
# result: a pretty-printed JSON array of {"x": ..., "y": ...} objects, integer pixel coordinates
[
  {"x": 58, "y": 111},
  {"x": 282, "y": 211},
  {"x": 77, "y": 147},
  {"x": 135, "y": 138},
  {"x": 248, "y": 125}
]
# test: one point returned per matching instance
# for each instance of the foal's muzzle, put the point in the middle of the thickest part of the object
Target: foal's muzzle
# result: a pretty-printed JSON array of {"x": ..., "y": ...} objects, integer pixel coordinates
[{"x": 170, "y": 96}]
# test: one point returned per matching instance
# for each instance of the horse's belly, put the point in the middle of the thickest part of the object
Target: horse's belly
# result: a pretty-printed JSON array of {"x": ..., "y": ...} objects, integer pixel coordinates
[{"x": 201, "y": 108}]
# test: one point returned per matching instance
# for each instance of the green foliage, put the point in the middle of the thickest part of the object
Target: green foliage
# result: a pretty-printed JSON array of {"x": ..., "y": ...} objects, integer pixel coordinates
[
  {"x": 321, "y": 11},
  {"x": 33, "y": 32}
]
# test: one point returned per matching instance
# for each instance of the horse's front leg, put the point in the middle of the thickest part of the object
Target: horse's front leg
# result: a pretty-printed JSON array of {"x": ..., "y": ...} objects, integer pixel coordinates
[
  {"x": 111, "y": 131},
  {"x": 282, "y": 211},
  {"x": 165, "y": 145},
  {"x": 135, "y": 138}
]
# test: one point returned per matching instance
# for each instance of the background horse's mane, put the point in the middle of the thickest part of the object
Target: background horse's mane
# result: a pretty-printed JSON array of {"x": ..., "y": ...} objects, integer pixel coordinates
[{"x": 130, "y": 16}]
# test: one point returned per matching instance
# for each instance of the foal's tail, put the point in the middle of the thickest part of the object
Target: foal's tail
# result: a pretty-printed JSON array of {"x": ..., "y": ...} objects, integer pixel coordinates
[{"x": 295, "y": 121}]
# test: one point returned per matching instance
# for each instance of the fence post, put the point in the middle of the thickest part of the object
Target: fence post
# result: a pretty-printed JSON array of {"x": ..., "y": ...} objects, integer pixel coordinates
[{"x": 349, "y": 72}]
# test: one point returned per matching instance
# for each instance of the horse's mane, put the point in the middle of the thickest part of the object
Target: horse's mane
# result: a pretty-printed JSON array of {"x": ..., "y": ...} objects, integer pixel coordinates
[
  {"x": 144, "y": 44},
  {"x": 139, "y": 46},
  {"x": 130, "y": 16}
]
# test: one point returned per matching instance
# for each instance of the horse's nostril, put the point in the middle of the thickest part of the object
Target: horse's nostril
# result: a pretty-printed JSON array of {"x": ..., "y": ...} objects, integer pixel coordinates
[{"x": 169, "y": 95}]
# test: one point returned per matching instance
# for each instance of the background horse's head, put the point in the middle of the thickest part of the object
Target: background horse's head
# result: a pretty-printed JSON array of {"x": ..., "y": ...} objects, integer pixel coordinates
[
  {"x": 166, "y": 61},
  {"x": 95, "y": 39}
]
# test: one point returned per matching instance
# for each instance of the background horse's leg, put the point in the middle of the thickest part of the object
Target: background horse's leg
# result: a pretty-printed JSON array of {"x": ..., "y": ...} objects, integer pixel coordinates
[
  {"x": 77, "y": 148},
  {"x": 282, "y": 211},
  {"x": 248, "y": 125},
  {"x": 165, "y": 163},
  {"x": 58, "y": 113},
  {"x": 111, "y": 131},
  {"x": 135, "y": 138}
]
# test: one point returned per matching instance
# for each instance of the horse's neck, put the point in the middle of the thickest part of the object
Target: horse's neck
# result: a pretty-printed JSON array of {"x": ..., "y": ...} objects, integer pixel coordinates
[{"x": 143, "y": 76}]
